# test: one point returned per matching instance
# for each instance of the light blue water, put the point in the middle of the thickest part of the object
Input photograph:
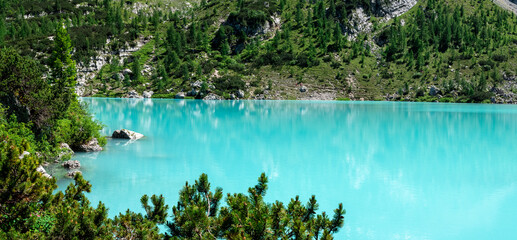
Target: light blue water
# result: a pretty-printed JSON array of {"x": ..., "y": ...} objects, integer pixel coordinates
[{"x": 401, "y": 170}]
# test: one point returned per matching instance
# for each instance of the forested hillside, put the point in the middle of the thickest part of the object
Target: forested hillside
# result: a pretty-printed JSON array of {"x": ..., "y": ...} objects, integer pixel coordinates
[{"x": 439, "y": 50}]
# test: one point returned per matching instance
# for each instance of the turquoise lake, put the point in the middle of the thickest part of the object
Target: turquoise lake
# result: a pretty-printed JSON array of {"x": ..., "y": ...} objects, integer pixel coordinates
[{"x": 401, "y": 170}]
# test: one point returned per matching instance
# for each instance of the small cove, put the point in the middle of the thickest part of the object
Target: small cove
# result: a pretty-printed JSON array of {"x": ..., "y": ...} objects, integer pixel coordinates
[{"x": 401, "y": 170}]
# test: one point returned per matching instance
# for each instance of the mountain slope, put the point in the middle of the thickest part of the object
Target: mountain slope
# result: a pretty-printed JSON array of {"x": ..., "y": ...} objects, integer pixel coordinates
[{"x": 439, "y": 50}]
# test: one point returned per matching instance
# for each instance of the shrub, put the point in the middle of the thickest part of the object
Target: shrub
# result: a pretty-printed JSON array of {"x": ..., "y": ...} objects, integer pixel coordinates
[
  {"x": 229, "y": 83},
  {"x": 77, "y": 127}
]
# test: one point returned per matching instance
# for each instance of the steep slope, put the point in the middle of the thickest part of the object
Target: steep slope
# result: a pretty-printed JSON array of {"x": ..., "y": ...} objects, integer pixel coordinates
[
  {"x": 431, "y": 50},
  {"x": 510, "y": 5}
]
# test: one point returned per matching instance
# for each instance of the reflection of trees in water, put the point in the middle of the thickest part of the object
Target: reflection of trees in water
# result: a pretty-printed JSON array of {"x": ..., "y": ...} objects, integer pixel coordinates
[{"x": 401, "y": 144}]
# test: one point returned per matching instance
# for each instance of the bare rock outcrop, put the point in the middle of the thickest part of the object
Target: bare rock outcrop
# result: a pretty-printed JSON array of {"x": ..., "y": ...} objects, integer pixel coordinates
[
  {"x": 126, "y": 134},
  {"x": 43, "y": 172},
  {"x": 90, "y": 146},
  {"x": 71, "y": 164},
  {"x": 392, "y": 8}
]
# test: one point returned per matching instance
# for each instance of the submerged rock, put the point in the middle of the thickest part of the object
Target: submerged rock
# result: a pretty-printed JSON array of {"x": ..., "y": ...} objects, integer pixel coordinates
[
  {"x": 71, "y": 164},
  {"x": 72, "y": 173},
  {"x": 126, "y": 134},
  {"x": 90, "y": 146}
]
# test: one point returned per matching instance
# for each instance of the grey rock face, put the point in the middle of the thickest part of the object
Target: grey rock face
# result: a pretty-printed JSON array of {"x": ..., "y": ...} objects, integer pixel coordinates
[
  {"x": 196, "y": 84},
  {"x": 239, "y": 93},
  {"x": 393, "y": 8},
  {"x": 126, "y": 134},
  {"x": 71, "y": 164},
  {"x": 90, "y": 146}
]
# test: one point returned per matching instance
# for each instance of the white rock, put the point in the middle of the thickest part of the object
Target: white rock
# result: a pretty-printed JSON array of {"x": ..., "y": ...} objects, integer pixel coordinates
[{"x": 126, "y": 134}]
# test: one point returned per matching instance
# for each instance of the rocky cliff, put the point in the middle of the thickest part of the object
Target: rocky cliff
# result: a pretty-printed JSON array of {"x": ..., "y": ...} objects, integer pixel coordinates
[{"x": 392, "y": 8}]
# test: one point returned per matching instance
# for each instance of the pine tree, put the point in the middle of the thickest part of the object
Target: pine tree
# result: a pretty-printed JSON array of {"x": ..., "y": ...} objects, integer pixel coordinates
[
  {"x": 3, "y": 31},
  {"x": 172, "y": 60},
  {"x": 136, "y": 69},
  {"x": 63, "y": 71},
  {"x": 158, "y": 212},
  {"x": 225, "y": 48}
]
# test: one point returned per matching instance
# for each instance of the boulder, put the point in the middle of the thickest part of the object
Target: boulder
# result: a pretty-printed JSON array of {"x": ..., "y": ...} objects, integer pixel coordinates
[
  {"x": 127, "y": 71},
  {"x": 239, "y": 93},
  {"x": 303, "y": 89},
  {"x": 192, "y": 93},
  {"x": 119, "y": 77},
  {"x": 433, "y": 91},
  {"x": 196, "y": 84},
  {"x": 72, "y": 173},
  {"x": 25, "y": 153},
  {"x": 43, "y": 172},
  {"x": 71, "y": 164},
  {"x": 232, "y": 96},
  {"x": 65, "y": 152},
  {"x": 180, "y": 95},
  {"x": 90, "y": 146},
  {"x": 148, "y": 94},
  {"x": 212, "y": 96},
  {"x": 133, "y": 94},
  {"x": 126, "y": 134}
]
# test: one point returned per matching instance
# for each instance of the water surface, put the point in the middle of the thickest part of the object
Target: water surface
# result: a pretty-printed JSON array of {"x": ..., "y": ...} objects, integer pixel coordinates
[{"x": 401, "y": 170}]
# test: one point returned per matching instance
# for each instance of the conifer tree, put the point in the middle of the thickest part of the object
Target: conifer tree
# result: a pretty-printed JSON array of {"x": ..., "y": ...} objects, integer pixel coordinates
[
  {"x": 21, "y": 186},
  {"x": 225, "y": 48},
  {"x": 136, "y": 69},
  {"x": 63, "y": 71},
  {"x": 3, "y": 31},
  {"x": 156, "y": 213}
]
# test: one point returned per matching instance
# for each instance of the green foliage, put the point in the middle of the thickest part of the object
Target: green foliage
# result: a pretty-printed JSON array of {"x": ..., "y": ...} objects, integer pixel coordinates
[
  {"x": 23, "y": 91},
  {"x": 77, "y": 127},
  {"x": 197, "y": 215},
  {"x": 134, "y": 226},
  {"x": 158, "y": 212},
  {"x": 229, "y": 83},
  {"x": 22, "y": 188},
  {"x": 63, "y": 71}
]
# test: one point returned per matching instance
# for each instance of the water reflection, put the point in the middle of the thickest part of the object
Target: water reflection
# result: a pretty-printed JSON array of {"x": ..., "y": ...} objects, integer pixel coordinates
[{"x": 402, "y": 170}]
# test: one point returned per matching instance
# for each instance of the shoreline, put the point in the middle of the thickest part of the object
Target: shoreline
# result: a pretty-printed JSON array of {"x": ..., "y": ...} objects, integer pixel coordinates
[{"x": 301, "y": 100}]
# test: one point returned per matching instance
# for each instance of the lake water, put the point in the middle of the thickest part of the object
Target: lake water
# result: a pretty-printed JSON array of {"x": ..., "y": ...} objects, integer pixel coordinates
[{"x": 401, "y": 170}]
